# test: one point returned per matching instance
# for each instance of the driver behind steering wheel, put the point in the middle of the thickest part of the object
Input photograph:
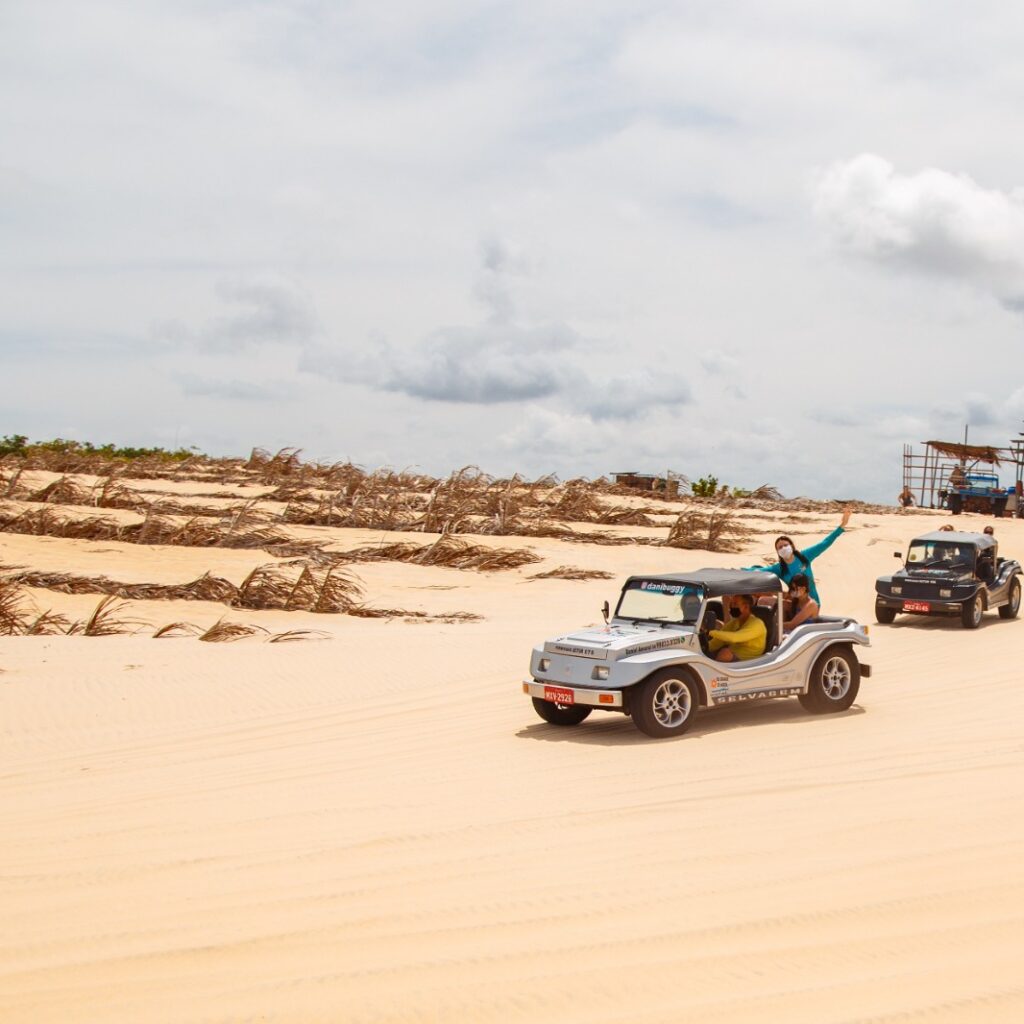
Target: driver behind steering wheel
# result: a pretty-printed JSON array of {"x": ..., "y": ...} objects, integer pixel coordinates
[{"x": 743, "y": 637}]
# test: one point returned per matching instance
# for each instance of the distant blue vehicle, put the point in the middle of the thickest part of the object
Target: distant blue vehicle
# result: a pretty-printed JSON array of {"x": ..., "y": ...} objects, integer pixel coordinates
[{"x": 975, "y": 492}]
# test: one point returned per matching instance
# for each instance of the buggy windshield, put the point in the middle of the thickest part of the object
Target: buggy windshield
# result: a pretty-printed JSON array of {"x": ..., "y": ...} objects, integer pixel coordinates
[
  {"x": 940, "y": 555},
  {"x": 659, "y": 601}
]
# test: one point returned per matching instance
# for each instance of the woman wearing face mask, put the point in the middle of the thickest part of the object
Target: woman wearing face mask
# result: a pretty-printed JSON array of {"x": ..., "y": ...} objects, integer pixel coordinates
[
  {"x": 791, "y": 562},
  {"x": 802, "y": 607}
]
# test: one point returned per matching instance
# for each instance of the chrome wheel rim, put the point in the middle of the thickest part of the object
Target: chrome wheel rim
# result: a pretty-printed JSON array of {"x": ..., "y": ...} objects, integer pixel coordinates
[
  {"x": 976, "y": 613},
  {"x": 1015, "y": 598},
  {"x": 836, "y": 678},
  {"x": 672, "y": 703}
]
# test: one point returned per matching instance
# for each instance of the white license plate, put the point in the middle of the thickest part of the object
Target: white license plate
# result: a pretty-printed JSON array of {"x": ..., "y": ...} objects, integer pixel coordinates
[{"x": 557, "y": 695}]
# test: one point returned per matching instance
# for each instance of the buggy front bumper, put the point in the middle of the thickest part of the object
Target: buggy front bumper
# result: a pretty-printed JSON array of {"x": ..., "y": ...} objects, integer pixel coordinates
[
  {"x": 898, "y": 604},
  {"x": 580, "y": 694}
]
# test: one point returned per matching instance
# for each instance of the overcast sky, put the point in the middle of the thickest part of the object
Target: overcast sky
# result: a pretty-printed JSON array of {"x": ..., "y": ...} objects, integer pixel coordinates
[{"x": 769, "y": 241}]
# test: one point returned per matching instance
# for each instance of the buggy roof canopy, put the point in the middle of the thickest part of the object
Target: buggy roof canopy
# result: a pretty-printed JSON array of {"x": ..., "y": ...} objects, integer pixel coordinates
[
  {"x": 979, "y": 540},
  {"x": 719, "y": 582},
  {"x": 965, "y": 452}
]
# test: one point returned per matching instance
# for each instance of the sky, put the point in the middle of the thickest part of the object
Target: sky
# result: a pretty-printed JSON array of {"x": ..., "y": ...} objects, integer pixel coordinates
[{"x": 769, "y": 242}]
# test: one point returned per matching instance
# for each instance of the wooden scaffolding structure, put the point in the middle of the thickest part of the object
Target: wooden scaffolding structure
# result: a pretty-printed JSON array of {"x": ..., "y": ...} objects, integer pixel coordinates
[{"x": 927, "y": 472}]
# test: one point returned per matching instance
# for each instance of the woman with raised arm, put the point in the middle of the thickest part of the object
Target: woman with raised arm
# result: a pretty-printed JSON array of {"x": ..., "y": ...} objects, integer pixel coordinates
[{"x": 792, "y": 562}]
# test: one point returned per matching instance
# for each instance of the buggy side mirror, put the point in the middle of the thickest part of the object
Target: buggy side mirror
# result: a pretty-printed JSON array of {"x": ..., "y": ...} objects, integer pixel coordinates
[{"x": 605, "y": 611}]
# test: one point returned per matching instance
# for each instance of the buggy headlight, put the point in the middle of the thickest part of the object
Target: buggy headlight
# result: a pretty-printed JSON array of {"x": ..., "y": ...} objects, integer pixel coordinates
[
  {"x": 600, "y": 672},
  {"x": 897, "y": 590},
  {"x": 945, "y": 593},
  {"x": 544, "y": 664}
]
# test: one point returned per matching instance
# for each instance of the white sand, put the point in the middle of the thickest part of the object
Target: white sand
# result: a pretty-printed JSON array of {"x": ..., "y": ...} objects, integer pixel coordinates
[{"x": 378, "y": 828}]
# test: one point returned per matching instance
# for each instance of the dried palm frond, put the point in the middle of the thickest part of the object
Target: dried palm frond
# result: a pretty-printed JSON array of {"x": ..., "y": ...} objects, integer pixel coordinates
[
  {"x": 539, "y": 527},
  {"x": 622, "y": 515},
  {"x": 47, "y": 522},
  {"x": 48, "y": 623},
  {"x": 222, "y": 632},
  {"x": 61, "y": 491},
  {"x": 717, "y": 531},
  {"x": 174, "y": 630},
  {"x": 569, "y": 572},
  {"x": 205, "y": 588},
  {"x": 577, "y": 502},
  {"x": 292, "y": 635},
  {"x": 367, "y": 612},
  {"x": 338, "y": 592},
  {"x": 272, "y": 467},
  {"x": 114, "y": 494},
  {"x": 606, "y": 539},
  {"x": 272, "y": 587},
  {"x": 11, "y": 484},
  {"x": 12, "y": 614},
  {"x": 105, "y": 620},
  {"x": 453, "y": 501},
  {"x": 264, "y": 587},
  {"x": 448, "y": 551}
]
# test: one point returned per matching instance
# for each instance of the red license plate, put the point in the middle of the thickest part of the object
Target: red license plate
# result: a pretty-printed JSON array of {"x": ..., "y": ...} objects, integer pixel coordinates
[
  {"x": 916, "y": 606},
  {"x": 557, "y": 695}
]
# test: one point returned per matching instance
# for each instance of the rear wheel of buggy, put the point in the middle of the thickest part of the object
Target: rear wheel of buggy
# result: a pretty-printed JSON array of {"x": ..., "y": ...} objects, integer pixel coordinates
[
  {"x": 1012, "y": 606},
  {"x": 560, "y": 714},
  {"x": 970, "y": 614},
  {"x": 665, "y": 704},
  {"x": 884, "y": 614},
  {"x": 835, "y": 680}
]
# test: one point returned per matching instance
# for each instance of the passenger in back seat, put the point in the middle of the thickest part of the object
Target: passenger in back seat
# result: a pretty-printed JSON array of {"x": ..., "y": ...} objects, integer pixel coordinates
[{"x": 800, "y": 606}]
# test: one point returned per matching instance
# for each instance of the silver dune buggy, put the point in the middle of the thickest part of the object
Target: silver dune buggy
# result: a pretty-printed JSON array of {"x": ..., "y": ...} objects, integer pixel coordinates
[{"x": 651, "y": 659}]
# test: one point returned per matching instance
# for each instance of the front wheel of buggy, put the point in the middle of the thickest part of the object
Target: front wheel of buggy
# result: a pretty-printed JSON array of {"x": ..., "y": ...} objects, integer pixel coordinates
[
  {"x": 1012, "y": 606},
  {"x": 834, "y": 682},
  {"x": 664, "y": 704},
  {"x": 560, "y": 714},
  {"x": 884, "y": 614},
  {"x": 970, "y": 613}
]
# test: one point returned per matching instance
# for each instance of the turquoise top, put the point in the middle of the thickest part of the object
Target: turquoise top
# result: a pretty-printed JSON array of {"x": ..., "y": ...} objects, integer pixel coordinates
[{"x": 787, "y": 570}]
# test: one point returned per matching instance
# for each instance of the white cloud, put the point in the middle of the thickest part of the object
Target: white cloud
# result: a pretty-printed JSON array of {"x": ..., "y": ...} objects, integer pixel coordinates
[
  {"x": 933, "y": 221},
  {"x": 232, "y": 388},
  {"x": 261, "y": 313},
  {"x": 651, "y": 271}
]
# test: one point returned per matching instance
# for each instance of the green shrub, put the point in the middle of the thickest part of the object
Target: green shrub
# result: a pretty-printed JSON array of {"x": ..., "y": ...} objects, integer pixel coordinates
[
  {"x": 12, "y": 444},
  {"x": 19, "y": 444},
  {"x": 705, "y": 487}
]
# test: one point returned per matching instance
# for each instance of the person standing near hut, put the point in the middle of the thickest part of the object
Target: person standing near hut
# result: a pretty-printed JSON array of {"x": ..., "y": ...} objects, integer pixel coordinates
[{"x": 793, "y": 562}]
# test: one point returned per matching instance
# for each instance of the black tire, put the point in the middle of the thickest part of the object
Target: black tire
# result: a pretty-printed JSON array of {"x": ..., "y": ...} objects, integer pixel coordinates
[
  {"x": 560, "y": 714},
  {"x": 956, "y": 504},
  {"x": 665, "y": 704},
  {"x": 884, "y": 614},
  {"x": 1012, "y": 607},
  {"x": 834, "y": 682},
  {"x": 971, "y": 612}
]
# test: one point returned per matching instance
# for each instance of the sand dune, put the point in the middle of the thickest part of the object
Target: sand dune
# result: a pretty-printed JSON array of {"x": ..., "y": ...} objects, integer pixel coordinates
[{"x": 376, "y": 827}]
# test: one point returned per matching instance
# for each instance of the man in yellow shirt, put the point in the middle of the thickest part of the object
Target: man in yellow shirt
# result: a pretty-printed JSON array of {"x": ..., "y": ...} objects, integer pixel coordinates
[{"x": 743, "y": 636}]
